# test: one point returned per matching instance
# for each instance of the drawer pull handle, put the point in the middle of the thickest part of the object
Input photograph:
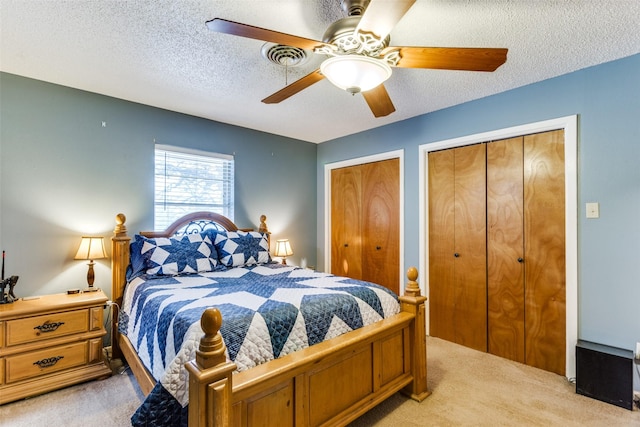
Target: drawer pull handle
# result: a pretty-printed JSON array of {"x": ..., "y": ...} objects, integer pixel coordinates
[
  {"x": 48, "y": 327},
  {"x": 47, "y": 363}
]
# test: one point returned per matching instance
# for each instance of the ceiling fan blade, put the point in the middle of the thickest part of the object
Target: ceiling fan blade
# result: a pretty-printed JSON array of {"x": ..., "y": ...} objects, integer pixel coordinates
[
  {"x": 451, "y": 58},
  {"x": 382, "y": 15},
  {"x": 220, "y": 25},
  {"x": 379, "y": 101},
  {"x": 294, "y": 87}
]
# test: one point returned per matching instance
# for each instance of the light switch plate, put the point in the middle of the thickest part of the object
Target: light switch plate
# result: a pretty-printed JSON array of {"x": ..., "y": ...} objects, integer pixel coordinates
[{"x": 593, "y": 210}]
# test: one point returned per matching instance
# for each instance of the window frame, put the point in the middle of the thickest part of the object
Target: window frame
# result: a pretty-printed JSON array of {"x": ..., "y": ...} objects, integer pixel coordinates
[{"x": 226, "y": 207}]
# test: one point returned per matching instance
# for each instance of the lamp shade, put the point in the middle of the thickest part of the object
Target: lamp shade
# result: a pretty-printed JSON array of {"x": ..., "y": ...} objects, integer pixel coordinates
[
  {"x": 283, "y": 248},
  {"x": 91, "y": 248},
  {"x": 355, "y": 73}
]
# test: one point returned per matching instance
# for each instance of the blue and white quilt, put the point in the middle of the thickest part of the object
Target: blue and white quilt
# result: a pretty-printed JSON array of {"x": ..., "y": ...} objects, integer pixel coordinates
[{"x": 268, "y": 310}]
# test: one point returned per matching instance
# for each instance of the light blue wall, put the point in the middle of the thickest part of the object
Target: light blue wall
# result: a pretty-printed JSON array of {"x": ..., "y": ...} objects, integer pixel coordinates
[
  {"x": 62, "y": 175},
  {"x": 606, "y": 99}
]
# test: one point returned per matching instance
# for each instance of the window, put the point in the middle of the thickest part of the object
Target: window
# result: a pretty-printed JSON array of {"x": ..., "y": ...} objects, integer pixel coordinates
[{"x": 190, "y": 181}]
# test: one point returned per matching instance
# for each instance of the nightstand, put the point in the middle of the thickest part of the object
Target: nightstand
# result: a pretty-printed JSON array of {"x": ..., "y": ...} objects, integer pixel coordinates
[{"x": 51, "y": 342}]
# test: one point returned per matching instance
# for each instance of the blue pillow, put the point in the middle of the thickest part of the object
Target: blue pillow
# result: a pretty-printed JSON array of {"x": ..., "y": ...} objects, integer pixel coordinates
[
  {"x": 240, "y": 248},
  {"x": 191, "y": 253},
  {"x": 136, "y": 265}
]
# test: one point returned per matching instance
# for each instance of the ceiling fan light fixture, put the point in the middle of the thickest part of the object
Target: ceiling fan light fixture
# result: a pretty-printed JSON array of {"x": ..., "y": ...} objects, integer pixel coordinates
[{"x": 355, "y": 73}]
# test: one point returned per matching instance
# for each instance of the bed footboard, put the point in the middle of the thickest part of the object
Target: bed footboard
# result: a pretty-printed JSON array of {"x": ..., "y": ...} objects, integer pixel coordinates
[{"x": 331, "y": 383}]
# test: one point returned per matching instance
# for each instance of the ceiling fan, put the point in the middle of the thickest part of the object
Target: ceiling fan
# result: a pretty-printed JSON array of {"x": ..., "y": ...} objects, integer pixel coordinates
[{"x": 360, "y": 58}]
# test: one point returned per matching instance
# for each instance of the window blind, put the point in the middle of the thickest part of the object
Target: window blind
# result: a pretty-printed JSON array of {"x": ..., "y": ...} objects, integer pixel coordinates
[{"x": 189, "y": 181}]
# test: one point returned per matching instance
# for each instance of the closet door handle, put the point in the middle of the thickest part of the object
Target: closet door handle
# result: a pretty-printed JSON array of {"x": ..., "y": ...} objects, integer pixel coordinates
[
  {"x": 520, "y": 260},
  {"x": 378, "y": 248},
  {"x": 457, "y": 255},
  {"x": 346, "y": 245}
]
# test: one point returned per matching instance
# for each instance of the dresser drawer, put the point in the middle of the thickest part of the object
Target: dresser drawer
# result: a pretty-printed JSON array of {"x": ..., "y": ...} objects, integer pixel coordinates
[
  {"x": 45, "y": 361},
  {"x": 51, "y": 341},
  {"x": 31, "y": 329}
]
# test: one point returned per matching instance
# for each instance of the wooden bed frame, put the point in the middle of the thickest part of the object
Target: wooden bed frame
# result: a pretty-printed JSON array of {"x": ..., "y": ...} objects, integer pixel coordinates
[{"x": 331, "y": 383}]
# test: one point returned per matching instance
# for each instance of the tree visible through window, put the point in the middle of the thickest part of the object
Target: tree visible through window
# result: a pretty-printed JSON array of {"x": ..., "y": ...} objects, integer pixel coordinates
[{"x": 189, "y": 181}]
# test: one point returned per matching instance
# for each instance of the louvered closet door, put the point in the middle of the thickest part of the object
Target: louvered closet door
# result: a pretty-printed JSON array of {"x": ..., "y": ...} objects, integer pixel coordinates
[
  {"x": 544, "y": 240},
  {"x": 346, "y": 227},
  {"x": 505, "y": 249},
  {"x": 457, "y": 246},
  {"x": 381, "y": 223}
]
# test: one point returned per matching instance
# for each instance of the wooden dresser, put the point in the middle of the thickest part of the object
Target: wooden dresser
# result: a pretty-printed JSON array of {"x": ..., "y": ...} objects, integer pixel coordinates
[{"x": 50, "y": 342}]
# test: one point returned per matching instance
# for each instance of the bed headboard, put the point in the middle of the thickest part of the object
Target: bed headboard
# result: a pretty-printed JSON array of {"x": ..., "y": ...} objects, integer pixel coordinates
[{"x": 192, "y": 223}]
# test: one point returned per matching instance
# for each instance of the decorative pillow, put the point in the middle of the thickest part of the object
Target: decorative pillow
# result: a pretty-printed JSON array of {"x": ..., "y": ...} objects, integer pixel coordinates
[
  {"x": 239, "y": 248},
  {"x": 191, "y": 253},
  {"x": 137, "y": 264}
]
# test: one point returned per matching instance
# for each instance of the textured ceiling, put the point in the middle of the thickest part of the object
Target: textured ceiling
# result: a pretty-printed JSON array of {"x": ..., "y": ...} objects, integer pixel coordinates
[{"x": 160, "y": 53}]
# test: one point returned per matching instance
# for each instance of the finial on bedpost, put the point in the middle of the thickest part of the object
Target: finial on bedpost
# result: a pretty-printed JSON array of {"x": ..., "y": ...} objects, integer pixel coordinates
[
  {"x": 212, "y": 348},
  {"x": 263, "y": 224},
  {"x": 120, "y": 228},
  {"x": 263, "y": 228},
  {"x": 412, "y": 288}
]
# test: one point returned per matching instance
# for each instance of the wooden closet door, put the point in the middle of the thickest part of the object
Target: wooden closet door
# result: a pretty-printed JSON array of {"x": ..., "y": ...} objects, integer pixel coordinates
[
  {"x": 523, "y": 273},
  {"x": 470, "y": 256},
  {"x": 441, "y": 245},
  {"x": 381, "y": 223},
  {"x": 505, "y": 249},
  {"x": 346, "y": 227},
  {"x": 457, "y": 246},
  {"x": 544, "y": 236}
]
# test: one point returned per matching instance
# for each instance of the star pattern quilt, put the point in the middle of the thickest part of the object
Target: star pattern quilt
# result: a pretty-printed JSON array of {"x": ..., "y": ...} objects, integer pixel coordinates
[{"x": 268, "y": 310}]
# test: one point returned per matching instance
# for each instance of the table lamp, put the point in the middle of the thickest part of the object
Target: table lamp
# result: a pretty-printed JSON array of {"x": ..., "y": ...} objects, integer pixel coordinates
[
  {"x": 91, "y": 248},
  {"x": 283, "y": 249}
]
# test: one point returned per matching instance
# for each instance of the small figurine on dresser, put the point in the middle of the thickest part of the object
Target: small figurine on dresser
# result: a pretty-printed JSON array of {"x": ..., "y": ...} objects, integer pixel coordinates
[{"x": 6, "y": 286}]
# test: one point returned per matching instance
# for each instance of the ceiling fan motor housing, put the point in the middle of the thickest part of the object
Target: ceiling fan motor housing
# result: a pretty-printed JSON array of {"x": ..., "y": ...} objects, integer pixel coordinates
[
  {"x": 342, "y": 34},
  {"x": 354, "y": 7}
]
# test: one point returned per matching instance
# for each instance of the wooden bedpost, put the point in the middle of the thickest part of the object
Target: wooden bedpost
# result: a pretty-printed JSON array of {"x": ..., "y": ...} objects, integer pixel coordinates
[
  {"x": 210, "y": 376},
  {"x": 263, "y": 229},
  {"x": 413, "y": 302},
  {"x": 119, "y": 262}
]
